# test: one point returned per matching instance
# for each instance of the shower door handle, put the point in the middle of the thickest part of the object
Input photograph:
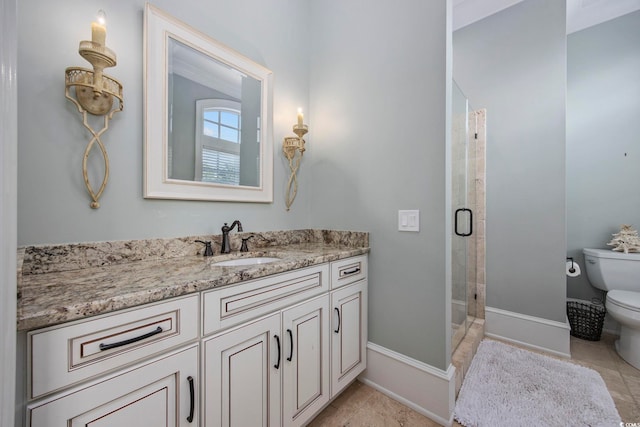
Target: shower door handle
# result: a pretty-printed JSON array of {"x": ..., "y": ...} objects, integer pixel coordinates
[{"x": 455, "y": 226}]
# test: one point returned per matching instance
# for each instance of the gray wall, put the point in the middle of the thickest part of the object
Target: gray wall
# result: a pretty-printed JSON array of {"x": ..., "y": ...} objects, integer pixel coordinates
[
  {"x": 379, "y": 87},
  {"x": 514, "y": 65},
  {"x": 603, "y": 148},
  {"x": 53, "y": 204}
]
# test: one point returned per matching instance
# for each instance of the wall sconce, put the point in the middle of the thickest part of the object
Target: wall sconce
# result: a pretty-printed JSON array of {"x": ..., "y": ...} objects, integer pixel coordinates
[
  {"x": 291, "y": 146},
  {"x": 94, "y": 93}
]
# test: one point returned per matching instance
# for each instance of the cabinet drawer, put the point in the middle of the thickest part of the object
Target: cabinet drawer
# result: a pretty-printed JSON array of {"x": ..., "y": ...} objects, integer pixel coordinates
[
  {"x": 348, "y": 270},
  {"x": 63, "y": 355},
  {"x": 154, "y": 393},
  {"x": 236, "y": 304}
]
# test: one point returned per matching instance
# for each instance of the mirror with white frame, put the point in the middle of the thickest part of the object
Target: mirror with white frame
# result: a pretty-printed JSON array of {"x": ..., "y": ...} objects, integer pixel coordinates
[{"x": 208, "y": 117}]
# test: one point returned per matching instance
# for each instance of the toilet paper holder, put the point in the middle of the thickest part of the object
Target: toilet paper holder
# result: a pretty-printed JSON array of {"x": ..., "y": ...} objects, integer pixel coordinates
[{"x": 572, "y": 269}]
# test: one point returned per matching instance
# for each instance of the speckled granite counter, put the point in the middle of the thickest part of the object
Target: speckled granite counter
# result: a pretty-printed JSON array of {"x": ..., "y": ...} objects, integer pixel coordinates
[{"x": 60, "y": 283}]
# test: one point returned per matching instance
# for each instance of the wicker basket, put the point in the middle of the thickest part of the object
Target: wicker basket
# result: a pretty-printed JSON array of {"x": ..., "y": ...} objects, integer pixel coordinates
[{"x": 586, "y": 319}]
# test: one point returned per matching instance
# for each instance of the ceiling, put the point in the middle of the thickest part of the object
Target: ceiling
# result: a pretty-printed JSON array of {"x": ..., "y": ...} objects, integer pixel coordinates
[{"x": 581, "y": 14}]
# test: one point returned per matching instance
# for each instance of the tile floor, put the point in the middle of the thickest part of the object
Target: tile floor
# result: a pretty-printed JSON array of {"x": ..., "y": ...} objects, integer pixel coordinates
[{"x": 361, "y": 406}]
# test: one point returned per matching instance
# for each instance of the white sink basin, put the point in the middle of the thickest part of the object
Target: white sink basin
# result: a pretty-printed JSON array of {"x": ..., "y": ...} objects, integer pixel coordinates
[{"x": 247, "y": 261}]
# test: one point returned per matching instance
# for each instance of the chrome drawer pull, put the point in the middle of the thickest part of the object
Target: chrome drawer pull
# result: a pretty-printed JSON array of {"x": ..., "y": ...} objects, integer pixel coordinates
[{"x": 104, "y": 347}]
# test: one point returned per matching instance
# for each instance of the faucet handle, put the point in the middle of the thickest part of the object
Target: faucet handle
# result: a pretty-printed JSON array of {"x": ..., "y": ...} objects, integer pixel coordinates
[
  {"x": 244, "y": 247},
  {"x": 208, "y": 250}
]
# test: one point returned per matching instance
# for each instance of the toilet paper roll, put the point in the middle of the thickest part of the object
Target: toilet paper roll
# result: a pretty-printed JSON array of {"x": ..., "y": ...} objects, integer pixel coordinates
[{"x": 573, "y": 269}]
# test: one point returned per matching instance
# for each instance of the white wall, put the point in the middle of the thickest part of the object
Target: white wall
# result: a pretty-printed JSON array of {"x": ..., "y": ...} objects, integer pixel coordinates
[
  {"x": 380, "y": 91},
  {"x": 52, "y": 201},
  {"x": 514, "y": 65},
  {"x": 8, "y": 220},
  {"x": 603, "y": 161}
]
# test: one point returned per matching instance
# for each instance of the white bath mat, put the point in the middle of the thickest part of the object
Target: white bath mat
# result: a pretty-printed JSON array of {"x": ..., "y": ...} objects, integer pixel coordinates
[{"x": 508, "y": 386}]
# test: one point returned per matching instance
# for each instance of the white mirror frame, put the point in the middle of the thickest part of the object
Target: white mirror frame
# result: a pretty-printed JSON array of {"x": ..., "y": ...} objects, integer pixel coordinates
[{"x": 159, "y": 26}]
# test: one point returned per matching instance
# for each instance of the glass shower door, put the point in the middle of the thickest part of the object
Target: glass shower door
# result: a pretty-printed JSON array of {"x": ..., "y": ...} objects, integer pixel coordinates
[{"x": 463, "y": 198}]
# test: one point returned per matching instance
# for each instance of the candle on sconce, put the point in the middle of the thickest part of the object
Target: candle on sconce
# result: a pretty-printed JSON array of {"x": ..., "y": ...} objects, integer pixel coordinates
[
  {"x": 99, "y": 30},
  {"x": 300, "y": 117}
]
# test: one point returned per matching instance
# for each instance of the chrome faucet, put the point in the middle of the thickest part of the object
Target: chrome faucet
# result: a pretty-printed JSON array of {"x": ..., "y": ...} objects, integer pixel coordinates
[{"x": 226, "y": 247}]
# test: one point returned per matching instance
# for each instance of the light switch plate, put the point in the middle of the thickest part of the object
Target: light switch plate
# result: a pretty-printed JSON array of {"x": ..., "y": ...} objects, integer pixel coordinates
[{"x": 409, "y": 220}]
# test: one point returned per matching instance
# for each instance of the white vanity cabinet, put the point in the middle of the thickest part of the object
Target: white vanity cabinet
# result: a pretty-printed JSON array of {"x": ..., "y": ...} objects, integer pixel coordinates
[
  {"x": 241, "y": 376},
  {"x": 349, "y": 324},
  {"x": 274, "y": 370},
  {"x": 267, "y": 352},
  {"x": 306, "y": 386},
  {"x": 160, "y": 392},
  {"x": 134, "y": 367},
  {"x": 305, "y": 344},
  {"x": 67, "y": 354},
  {"x": 270, "y": 372},
  {"x": 348, "y": 335}
]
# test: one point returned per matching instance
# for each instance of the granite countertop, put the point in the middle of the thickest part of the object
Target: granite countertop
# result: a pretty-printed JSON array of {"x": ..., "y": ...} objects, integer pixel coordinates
[{"x": 61, "y": 283}]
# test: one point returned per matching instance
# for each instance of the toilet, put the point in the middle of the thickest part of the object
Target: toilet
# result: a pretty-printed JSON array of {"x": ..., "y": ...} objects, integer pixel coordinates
[{"x": 619, "y": 274}]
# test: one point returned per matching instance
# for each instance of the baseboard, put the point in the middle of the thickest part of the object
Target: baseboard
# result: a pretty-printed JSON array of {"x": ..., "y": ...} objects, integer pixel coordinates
[
  {"x": 528, "y": 331},
  {"x": 423, "y": 388}
]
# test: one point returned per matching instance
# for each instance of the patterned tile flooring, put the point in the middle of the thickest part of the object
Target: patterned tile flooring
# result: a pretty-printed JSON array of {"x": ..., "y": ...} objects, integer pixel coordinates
[{"x": 363, "y": 406}]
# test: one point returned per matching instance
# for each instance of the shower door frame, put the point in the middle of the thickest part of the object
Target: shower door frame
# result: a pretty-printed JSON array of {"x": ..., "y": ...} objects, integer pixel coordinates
[{"x": 468, "y": 165}]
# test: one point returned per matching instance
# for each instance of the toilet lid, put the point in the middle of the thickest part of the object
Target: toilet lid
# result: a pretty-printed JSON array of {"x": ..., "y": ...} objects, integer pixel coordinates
[{"x": 626, "y": 299}]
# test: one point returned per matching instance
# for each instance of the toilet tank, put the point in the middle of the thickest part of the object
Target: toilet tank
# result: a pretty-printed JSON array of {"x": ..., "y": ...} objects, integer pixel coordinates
[{"x": 608, "y": 270}]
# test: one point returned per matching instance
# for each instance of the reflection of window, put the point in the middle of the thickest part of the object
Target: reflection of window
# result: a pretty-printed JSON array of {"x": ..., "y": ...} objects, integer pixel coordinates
[
  {"x": 218, "y": 129},
  {"x": 222, "y": 124}
]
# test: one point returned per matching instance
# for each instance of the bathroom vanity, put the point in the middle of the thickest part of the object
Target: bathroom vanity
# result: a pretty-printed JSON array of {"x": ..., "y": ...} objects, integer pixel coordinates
[{"x": 199, "y": 343}]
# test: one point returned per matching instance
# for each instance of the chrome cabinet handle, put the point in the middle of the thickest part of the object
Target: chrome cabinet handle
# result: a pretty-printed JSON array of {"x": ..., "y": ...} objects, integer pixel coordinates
[{"x": 104, "y": 347}]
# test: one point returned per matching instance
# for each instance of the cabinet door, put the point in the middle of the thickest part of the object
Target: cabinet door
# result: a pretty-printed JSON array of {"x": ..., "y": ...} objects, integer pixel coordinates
[
  {"x": 241, "y": 375},
  {"x": 157, "y": 394},
  {"x": 306, "y": 360},
  {"x": 348, "y": 334}
]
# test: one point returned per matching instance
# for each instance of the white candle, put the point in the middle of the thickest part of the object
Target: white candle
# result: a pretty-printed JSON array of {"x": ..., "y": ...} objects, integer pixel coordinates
[
  {"x": 300, "y": 117},
  {"x": 99, "y": 30},
  {"x": 98, "y": 33}
]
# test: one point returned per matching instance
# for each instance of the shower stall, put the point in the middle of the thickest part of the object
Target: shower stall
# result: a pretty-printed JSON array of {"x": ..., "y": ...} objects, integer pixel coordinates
[{"x": 467, "y": 199}]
